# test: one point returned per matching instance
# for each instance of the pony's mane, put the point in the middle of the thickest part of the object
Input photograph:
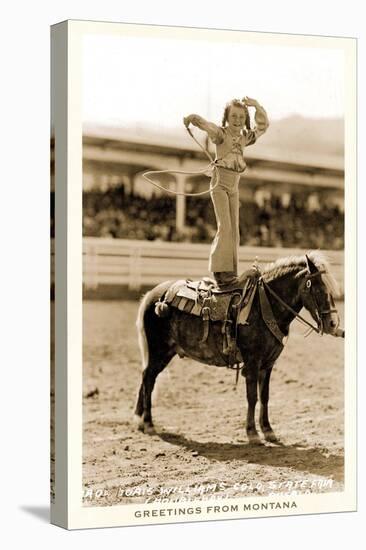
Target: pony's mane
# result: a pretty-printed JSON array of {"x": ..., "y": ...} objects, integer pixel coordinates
[{"x": 295, "y": 264}]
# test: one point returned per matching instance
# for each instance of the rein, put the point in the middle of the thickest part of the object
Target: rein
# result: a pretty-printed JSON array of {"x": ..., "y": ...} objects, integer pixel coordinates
[
  {"x": 289, "y": 308},
  {"x": 212, "y": 163}
]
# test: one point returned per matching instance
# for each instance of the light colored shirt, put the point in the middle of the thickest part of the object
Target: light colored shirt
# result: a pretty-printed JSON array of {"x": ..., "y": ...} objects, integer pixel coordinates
[{"x": 230, "y": 148}]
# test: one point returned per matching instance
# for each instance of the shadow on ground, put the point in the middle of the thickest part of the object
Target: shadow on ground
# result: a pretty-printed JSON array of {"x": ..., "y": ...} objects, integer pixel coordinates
[
  {"x": 311, "y": 460},
  {"x": 40, "y": 512}
]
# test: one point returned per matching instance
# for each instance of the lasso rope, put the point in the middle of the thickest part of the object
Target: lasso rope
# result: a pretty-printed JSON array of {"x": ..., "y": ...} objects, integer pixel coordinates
[{"x": 195, "y": 173}]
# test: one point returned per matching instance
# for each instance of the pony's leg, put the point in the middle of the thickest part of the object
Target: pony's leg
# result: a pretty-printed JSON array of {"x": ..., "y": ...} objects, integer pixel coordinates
[
  {"x": 251, "y": 379},
  {"x": 149, "y": 375},
  {"x": 264, "y": 378},
  {"x": 139, "y": 409},
  {"x": 157, "y": 349}
]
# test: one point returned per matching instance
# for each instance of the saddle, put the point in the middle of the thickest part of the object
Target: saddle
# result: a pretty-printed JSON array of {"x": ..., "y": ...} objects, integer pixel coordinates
[{"x": 205, "y": 299}]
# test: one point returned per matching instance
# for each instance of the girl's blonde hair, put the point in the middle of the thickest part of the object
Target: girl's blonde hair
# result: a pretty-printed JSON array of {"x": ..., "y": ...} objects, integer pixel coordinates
[{"x": 236, "y": 103}]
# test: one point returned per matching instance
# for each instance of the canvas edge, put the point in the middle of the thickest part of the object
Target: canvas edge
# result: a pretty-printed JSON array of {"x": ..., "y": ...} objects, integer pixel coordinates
[{"x": 59, "y": 112}]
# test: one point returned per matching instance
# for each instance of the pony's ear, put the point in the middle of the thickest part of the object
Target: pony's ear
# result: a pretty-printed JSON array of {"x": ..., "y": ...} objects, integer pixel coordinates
[{"x": 310, "y": 265}]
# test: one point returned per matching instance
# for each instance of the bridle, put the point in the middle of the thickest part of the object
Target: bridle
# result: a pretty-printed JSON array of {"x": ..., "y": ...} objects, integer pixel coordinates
[{"x": 319, "y": 313}]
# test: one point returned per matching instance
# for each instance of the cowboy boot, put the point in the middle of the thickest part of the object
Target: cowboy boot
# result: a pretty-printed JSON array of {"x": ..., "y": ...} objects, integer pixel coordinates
[{"x": 225, "y": 279}]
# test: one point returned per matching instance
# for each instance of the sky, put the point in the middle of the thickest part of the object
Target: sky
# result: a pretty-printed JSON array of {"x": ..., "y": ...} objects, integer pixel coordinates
[{"x": 139, "y": 82}]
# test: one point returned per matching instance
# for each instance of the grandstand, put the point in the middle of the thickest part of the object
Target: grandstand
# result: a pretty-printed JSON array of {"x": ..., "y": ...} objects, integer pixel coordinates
[{"x": 289, "y": 201}]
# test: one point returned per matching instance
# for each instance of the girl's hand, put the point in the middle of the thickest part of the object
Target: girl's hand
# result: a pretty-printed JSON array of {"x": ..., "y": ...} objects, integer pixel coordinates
[
  {"x": 249, "y": 102},
  {"x": 187, "y": 120}
]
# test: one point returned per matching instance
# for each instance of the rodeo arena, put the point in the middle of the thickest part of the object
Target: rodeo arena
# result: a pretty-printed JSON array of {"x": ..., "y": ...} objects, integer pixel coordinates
[{"x": 212, "y": 435}]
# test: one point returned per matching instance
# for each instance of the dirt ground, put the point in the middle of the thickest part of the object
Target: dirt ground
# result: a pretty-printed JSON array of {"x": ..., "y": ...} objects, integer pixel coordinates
[{"x": 200, "y": 449}]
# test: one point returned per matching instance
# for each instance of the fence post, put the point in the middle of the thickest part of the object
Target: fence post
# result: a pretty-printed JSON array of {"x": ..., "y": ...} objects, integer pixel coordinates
[
  {"x": 134, "y": 279},
  {"x": 91, "y": 265},
  {"x": 180, "y": 204}
]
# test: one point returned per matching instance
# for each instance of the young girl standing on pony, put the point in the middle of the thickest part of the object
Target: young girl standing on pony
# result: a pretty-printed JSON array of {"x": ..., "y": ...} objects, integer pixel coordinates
[{"x": 230, "y": 139}]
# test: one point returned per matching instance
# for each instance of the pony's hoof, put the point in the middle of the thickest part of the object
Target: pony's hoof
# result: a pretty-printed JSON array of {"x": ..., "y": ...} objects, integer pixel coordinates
[
  {"x": 271, "y": 437},
  {"x": 149, "y": 429},
  {"x": 137, "y": 420},
  {"x": 146, "y": 427},
  {"x": 254, "y": 439}
]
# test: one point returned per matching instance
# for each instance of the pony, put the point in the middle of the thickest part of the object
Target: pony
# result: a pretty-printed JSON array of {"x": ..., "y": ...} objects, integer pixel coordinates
[{"x": 290, "y": 283}]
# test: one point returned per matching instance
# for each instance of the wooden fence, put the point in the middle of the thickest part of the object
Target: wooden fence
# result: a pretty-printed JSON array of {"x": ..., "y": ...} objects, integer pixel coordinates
[{"x": 136, "y": 264}]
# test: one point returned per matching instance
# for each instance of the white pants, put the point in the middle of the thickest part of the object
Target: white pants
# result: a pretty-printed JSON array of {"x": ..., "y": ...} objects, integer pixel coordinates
[{"x": 225, "y": 198}]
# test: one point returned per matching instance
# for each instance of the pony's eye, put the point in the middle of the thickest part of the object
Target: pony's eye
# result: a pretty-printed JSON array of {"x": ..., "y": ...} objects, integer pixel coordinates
[{"x": 308, "y": 283}]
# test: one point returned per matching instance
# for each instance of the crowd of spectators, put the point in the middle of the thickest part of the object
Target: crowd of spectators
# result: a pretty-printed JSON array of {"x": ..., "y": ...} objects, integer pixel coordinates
[{"x": 116, "y": 214}]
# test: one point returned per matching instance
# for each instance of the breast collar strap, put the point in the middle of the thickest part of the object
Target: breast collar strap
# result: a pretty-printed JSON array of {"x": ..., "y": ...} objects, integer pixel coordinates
[{"x": 267, "y": 314}]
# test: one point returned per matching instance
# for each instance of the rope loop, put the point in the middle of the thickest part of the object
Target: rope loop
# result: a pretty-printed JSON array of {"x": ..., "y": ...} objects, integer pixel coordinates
[{"x": 212, "y": 164}]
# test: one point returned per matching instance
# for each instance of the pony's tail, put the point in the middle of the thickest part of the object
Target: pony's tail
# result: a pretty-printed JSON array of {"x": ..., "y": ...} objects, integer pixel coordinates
[
  {"x": 152, "y": 297},
  {"x": 141, "y": 333}
]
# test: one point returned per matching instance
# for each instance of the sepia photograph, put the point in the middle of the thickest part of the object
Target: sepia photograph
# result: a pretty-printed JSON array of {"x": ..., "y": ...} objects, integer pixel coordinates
[
  {"x": 214, "y": 287},
  {"x": 213, "y": 218}
]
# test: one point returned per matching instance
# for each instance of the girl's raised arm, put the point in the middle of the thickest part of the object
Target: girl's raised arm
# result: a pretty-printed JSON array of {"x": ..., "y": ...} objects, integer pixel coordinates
[
  {"x": 214, "y": 132},
  {"x": 261, "y": 121}
]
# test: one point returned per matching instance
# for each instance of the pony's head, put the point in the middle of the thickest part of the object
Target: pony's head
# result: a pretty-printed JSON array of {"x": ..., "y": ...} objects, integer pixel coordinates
[
  {"x": 317, "y": 290},
  {"x": 316, "y": 287}
]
